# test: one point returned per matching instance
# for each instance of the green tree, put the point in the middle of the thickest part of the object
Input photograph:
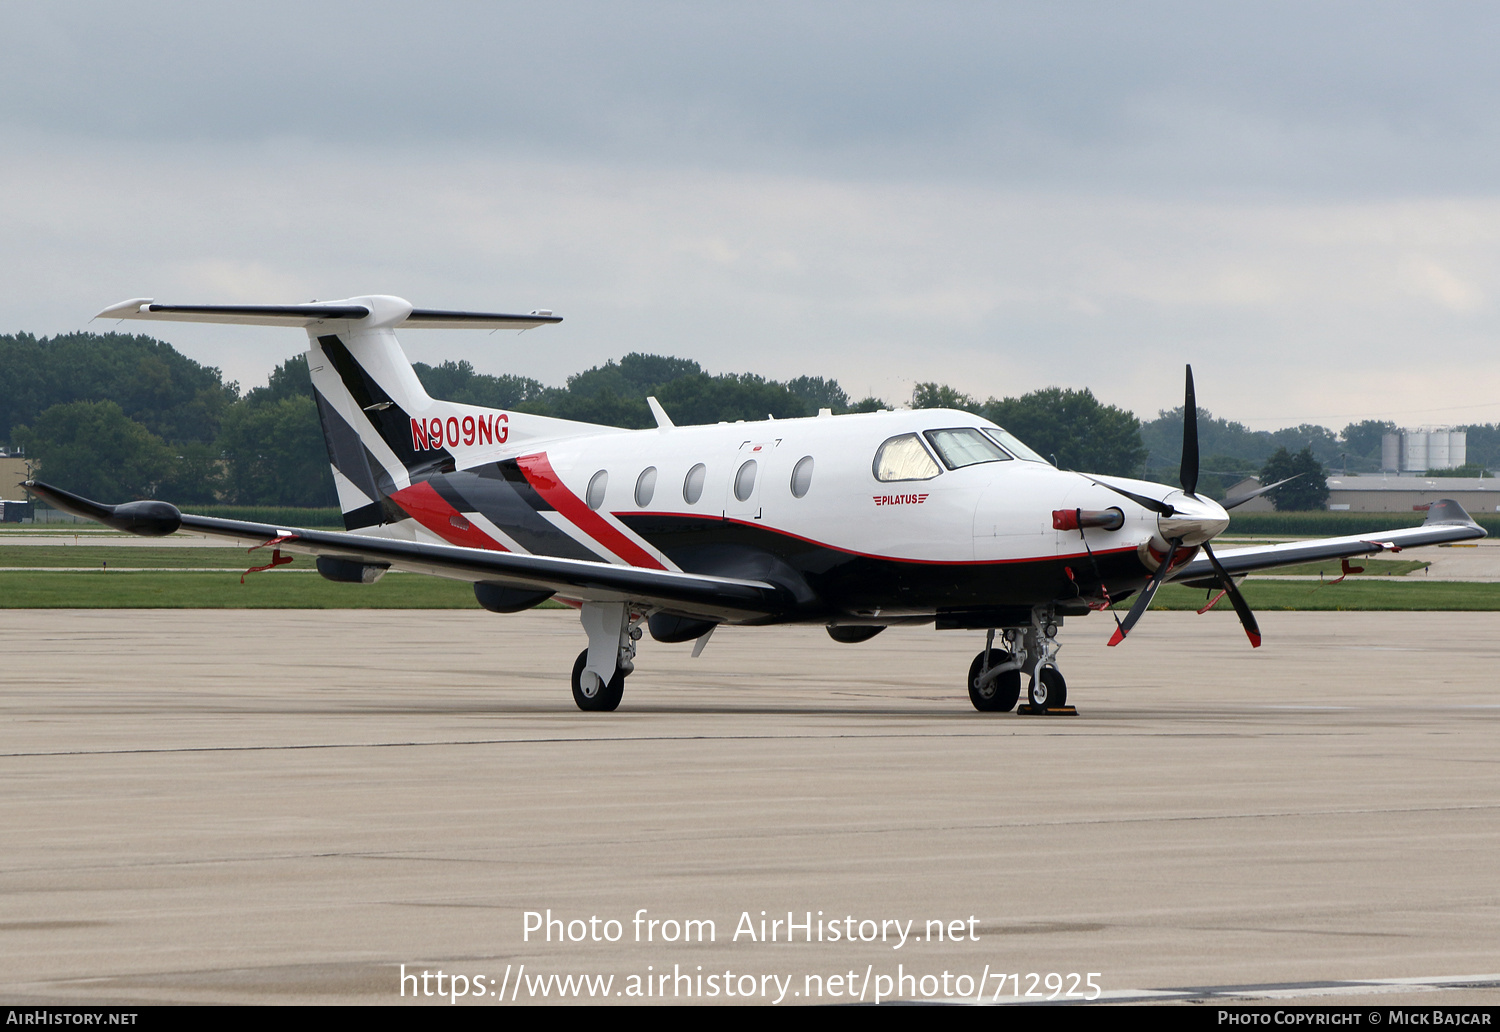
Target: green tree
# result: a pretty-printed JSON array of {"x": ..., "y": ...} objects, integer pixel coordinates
[
  {"x": 92, "y": 448},
  {"x": 819, "y": 393},
  {"x": 457, "y": 381},
  {"x": 288, "y": 380},
  {"x": 274, "y": 455},
  {"x": 1309, "y": 491},
  {"x": 174, "y": 397},
  {"x": 1469, "y": 469},
  {"x": 1483, "y": 444},
  {"x": 195, "y": 475},
  {"x": 710, "y": 399},
  {"x": 1074, "y": 426},
  {"x": 1363, "y": 441},
  {"x": 1218, "y": 473},
  {"x": 940, "y": 395}
]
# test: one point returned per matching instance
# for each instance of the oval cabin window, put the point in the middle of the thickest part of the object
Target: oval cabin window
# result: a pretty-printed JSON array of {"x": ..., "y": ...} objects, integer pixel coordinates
[
  {"x": 802, "y": 476},
  {"x": 597, "y": 485},
  {"x": 645, "y": 486},
  {"x": 692, "y": 484},
  {"x": 744, "y": 481}
]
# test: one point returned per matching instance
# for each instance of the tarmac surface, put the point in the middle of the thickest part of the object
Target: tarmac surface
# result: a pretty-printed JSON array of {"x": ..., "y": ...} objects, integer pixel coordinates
[{"x": 274, "y": 807}]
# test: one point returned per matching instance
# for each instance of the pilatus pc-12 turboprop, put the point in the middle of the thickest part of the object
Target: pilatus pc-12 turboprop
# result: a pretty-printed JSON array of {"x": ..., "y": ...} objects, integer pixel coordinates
[{"x": 856, "y": 522}]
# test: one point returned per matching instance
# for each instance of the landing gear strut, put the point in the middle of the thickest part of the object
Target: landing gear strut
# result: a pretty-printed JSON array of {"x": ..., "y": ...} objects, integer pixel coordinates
[
  {"x": 1048, "y": 689},
  {"x": 600, "y": 670}
]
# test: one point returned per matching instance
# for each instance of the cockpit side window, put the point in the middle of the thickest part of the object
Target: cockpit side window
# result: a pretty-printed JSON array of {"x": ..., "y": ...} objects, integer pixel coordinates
[
  {"x": 904, "y": 458},
  {"x": 965, "y": 447}
]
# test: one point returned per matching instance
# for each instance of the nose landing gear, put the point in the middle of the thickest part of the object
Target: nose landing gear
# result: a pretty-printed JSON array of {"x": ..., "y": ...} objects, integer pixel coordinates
[{"x": 995, "y": 674}]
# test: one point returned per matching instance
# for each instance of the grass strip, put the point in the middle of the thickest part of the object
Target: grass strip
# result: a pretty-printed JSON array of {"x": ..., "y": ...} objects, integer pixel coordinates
[
  {"x": 1351, "y": 595},
  {"x": 270, "y": 590},
  {"x": 96, "y": 556}
]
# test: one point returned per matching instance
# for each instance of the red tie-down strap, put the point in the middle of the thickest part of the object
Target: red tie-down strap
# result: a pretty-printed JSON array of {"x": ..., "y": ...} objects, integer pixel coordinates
[
  {"x": 277, "y": 559},
  {"x": 1347, "y": 570}
]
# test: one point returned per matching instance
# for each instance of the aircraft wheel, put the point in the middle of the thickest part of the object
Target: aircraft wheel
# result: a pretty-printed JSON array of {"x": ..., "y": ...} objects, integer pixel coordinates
[
  {"x": 1000, "y": 695},
  {"x": 603, "y": 699},
  {"x": 1048, "y": 689}
]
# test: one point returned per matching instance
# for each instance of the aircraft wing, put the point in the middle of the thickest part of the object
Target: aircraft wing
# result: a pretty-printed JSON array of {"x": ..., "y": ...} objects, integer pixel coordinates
[
  {"x": 1446, "y": 521},
  {"x": 723, "y": 599}
]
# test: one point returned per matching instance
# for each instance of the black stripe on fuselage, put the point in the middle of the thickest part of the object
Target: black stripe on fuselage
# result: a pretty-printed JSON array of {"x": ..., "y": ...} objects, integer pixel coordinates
[
  {"x": 497, "y": 498},
  {"x": 389, "y": 419},
  {"x": 510, "y": 471},
  {"x": 852, "y": 582}
]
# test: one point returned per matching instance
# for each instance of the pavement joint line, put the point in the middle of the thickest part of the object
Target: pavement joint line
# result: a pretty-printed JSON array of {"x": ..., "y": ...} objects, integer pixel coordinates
[{"x": 620, "y": 738}]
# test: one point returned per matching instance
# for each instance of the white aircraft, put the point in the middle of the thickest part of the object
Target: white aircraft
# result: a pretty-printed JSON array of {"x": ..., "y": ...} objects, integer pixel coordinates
[{"x": 856, "y": 522}]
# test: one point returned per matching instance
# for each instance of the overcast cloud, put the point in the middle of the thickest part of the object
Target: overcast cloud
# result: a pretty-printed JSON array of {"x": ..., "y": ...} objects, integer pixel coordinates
[{"x": 1300, "y": 199}]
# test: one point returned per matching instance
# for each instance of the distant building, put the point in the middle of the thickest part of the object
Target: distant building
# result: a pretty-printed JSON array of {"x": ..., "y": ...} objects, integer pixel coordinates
[
  {"x": 1391, "y": 494},
  {"x": 15, "y": 512},
  {"x": 1417, "y": 451}
]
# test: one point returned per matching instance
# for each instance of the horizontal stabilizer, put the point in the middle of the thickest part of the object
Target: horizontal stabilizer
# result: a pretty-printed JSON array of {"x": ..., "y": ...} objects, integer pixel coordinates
[{"x": 383, "y": 311}]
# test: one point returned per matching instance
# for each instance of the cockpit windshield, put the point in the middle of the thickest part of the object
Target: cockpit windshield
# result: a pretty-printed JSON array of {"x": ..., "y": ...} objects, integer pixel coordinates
[
  {"x": 1012, "y": 444},
  {"x": 965, "y": 447}
]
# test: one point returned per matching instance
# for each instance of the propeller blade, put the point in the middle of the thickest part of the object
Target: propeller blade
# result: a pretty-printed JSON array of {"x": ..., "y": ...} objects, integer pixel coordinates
[
  {"x": 1230, "y": 503},
  {"x": 1149, "y": 503},
  {"x": 1247, "y": 618},
  {"x": 1143, "y": 601},
  {"x": 1187, "y": 474}
]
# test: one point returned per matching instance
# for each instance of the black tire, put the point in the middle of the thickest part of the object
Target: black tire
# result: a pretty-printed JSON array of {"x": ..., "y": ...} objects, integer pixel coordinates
[
  {"x": 606, "y": 699},
  {"x": 1000, "y": 695},
  {"x": 1048, "y": 690}
]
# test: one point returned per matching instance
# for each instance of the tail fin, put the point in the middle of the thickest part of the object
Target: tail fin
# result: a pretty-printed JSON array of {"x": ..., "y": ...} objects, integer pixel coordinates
[{"x": 382, "y": 429}]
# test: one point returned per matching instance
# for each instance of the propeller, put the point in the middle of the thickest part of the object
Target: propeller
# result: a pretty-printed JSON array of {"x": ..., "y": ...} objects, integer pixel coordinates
[
  {"x": 1247, "y": 618},
  {"x": 1143, "y": 600},
  {"x": 1187, "y": 476},
  {"x": 1230, "y": 503},
  {"x": 1187, "y": 472}
]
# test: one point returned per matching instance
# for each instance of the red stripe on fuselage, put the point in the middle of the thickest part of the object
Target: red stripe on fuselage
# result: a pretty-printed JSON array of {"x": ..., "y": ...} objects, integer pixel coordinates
[
  {"x": 428, "y": 508},
  {"x": 549, "y": 485}
]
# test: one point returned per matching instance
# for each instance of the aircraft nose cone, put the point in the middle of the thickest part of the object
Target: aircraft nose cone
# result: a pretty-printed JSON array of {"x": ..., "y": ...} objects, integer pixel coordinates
[{"x": 1197, "y": 519}]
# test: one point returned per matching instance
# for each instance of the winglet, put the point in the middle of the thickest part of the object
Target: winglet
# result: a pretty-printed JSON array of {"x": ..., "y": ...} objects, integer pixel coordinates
[
  {"x": 1446, "y": 510},
  {"x": 663, "y": 421},
  {"x": 125, "y": 309}
]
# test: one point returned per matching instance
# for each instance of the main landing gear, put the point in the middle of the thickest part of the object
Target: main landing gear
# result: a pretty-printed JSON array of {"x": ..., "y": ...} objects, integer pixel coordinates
[
  {"x": 600, "y": 670},
  {"x": 995, "y": 674}
]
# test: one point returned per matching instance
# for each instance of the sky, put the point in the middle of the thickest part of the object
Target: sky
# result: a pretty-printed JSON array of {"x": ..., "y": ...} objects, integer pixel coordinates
[{"x": 1301, "y": 200}]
